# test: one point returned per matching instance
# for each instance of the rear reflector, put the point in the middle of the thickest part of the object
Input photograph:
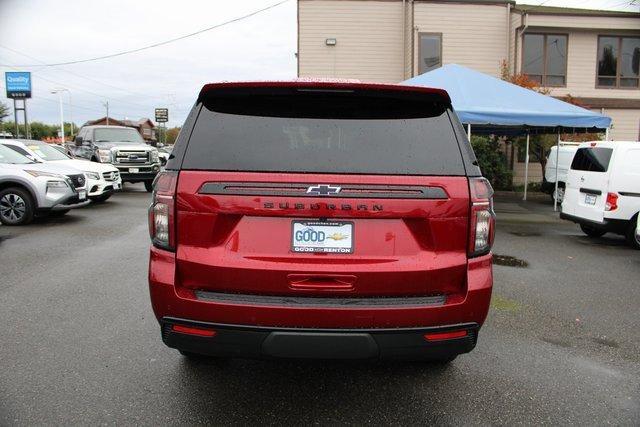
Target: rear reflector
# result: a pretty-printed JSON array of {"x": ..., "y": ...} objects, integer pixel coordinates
[
  {"x": 201, "y": 332},
  {"x": 440, "y": 336}
]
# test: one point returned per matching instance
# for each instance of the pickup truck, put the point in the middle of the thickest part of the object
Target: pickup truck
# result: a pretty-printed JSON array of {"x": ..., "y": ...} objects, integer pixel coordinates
[{"x": 121, "y": 146}]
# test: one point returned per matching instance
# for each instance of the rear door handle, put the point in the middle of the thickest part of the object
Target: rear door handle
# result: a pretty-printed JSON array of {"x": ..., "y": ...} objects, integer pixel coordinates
[{"x": 322, "y": 282}]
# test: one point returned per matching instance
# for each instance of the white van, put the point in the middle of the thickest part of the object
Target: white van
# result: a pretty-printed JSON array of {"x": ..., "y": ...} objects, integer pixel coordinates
[
  {"x": 603, "y": 189},
  {"x": 567, "y": 150}
]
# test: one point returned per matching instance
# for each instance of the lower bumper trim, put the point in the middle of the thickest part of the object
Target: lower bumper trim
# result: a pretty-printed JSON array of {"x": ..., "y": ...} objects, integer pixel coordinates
[
  {"x": 297, "y": 301},
  {"x": 610, "y": 225},
  {"x": 304, "y": 343}
]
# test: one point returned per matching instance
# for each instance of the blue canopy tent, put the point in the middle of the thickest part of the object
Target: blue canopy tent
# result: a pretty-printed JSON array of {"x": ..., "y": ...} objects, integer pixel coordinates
[{"x": 491, "y": 105}]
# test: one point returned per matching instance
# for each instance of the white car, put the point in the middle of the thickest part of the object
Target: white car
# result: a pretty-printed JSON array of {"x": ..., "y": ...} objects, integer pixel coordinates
[
  {"x": 29, "y": 189},
  {"x": 560, "y": 164},
  {"x": 102, "y": 179},
  {"x": 603, "y": 189}
]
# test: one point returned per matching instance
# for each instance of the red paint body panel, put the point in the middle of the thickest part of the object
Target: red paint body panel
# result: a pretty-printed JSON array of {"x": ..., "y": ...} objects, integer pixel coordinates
[
  {"x": 175, "y": 301},
  {"x": 233, "y": 244}
]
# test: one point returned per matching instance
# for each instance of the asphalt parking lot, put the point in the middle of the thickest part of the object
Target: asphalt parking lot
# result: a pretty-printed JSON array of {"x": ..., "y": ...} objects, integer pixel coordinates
[{"x": 80, "y": 344}]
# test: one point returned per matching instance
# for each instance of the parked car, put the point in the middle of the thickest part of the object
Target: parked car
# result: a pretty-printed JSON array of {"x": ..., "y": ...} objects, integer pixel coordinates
[
  {"x": 121, "y": 146},
  {"x": 603, "y": 189},
  {"x": 28, "y": 188},
  {"x": 567, "y": 150},
  {"x": 164, "y": 151},
  {"x": 321, "y": 220},
  {"x": 102, "y": 179}
]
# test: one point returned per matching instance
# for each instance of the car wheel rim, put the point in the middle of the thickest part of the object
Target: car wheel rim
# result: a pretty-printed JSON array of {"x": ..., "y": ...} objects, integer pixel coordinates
[
  {"x": 559, "y": 196},
  {"x": 12, "y": 207}
]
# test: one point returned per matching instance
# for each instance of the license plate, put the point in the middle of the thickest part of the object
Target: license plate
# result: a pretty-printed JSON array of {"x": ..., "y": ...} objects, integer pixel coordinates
[
  {"x": 590, "y": 199},
  {"x": 82, "y": 195},
  {"x": 134, "y": 170},
  {"x": 322, "y": 236}
]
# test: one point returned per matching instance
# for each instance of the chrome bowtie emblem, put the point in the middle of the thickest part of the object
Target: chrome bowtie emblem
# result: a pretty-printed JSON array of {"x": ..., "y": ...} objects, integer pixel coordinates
[{"x": 323, "y": 190}]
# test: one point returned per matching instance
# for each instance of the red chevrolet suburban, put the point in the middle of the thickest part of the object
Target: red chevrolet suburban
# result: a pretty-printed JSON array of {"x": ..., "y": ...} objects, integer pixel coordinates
[{"x": 315, "y": 219}]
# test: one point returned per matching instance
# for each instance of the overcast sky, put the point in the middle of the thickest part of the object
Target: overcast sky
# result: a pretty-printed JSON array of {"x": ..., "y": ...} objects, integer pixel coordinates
[{"x": 259, "y": 47}]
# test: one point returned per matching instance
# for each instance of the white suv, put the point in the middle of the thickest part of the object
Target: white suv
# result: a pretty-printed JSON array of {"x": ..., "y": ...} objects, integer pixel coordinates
[
  {"x": 102, "y": 179},
  {"x": 28, "y": 188},
  {"x": 603, "y": 189}
]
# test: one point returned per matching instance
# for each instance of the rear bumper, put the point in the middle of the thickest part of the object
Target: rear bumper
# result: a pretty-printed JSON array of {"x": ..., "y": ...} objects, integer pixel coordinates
[
  {"x": 269, "y": 342},
  {"x": 171, "y": 302},
  {"x": 145, "y": 172},
  {"x": 608, "y": 225}
]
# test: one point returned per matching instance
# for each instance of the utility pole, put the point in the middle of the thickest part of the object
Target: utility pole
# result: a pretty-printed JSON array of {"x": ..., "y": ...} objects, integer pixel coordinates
[
  {"x": 106, "y": 105},
  {"x": 59, "y": 92}
]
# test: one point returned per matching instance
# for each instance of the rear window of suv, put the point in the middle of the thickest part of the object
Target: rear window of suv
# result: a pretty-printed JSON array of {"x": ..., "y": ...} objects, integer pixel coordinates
[
  {"x": 320, "y": 133},
  {"x": 592, "y": 159}
]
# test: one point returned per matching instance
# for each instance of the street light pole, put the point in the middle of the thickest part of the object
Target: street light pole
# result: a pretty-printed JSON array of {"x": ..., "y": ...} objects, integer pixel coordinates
[
  {"x": 106, "y": 105},
  {"x": 59, "y": 92}
]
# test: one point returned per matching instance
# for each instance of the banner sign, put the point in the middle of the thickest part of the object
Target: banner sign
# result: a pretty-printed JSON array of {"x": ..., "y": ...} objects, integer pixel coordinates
[
  {"x": 18, "y": 84},
  {"x": 162, "y": 115}
]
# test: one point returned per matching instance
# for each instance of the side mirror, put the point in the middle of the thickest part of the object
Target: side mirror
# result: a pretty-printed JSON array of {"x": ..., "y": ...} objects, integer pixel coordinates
[{"x": 78, "y": 140}]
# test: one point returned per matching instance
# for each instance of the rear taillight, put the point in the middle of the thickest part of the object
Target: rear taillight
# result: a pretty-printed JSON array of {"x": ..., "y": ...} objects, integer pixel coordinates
[
  {"x": 192, "y": 330},
  {"x": 443, "y": 336},
  {"x": 162, "y": 211},
  {"x": 482, "y": 218},
  {"x": 612, "y": 202}
]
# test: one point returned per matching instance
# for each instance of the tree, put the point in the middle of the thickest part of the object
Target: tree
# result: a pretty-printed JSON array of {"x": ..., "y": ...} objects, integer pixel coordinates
[
  {"x": 539, "y": 145},
  {"x": 492, "y": 161},
  {"x": 4, "y": 111},
  {"x": 172, "y": 135}
]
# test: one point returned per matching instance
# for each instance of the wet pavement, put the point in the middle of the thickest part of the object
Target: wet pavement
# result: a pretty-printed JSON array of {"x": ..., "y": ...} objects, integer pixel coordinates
[{"x": 80, "y": 344}]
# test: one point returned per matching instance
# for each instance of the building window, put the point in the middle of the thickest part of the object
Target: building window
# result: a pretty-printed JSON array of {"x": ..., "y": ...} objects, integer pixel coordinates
[
  {"x": 618, "y": 62},
  {"x": 430, "y": 52},
  {"x": 544, "y": 59}
]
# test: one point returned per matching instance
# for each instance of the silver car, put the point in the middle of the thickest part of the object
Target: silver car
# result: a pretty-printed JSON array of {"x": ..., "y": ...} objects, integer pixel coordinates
[{"x": 28, "y": 188}]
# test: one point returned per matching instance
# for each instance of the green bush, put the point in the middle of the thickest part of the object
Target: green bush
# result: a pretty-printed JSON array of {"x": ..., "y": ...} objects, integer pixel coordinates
[{"x": 492, "y": 161}]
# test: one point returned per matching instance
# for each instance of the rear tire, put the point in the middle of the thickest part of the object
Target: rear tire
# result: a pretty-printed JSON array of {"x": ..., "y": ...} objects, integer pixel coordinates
[
  {"x": 101, "y": 198},
  {"x": 148, "y": 185},
  {"x": 201, "y": 358},
  {"x": 16, "y": 206},
  {"x": 591, "y": 232},
  {"x": 630, "y": 235},
  {"x": 58, "y": 214},
  {"x": 560, "y": 193},
  {"x": 443, "y": 361}
]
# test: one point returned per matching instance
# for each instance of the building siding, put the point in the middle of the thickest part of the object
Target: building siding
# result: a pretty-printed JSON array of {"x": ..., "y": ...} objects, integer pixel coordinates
[
  {"x": 473, "y": 35},
  {"x": 371, "y": 45},
  {"x": 369, "y": 40},
  {"x": 583, "y": 22},
  {"x": 626, "y": 124}
]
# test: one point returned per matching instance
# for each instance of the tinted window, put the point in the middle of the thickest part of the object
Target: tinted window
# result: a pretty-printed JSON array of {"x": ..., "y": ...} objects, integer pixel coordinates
[
  {"x": 46, "y": 152},
  {"x": 400, "y": 145},
  {"x": 545, "y": 58},
  {"x": 619, "y": 62},
  {"x": 8, "y": 155},
  {"x": 20, "y": 150},
  {"x": 116, "y": 135},
  {"x": 430, "y": 55},
  {"x": 592, "y": 159}
]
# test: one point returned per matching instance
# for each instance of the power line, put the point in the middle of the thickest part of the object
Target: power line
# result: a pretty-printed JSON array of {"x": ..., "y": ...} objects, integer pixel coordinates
[
  {"x": 75, "y": 87},
  {"x": 126, "y": 52},
  {"x": 76, "y": 74}
]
